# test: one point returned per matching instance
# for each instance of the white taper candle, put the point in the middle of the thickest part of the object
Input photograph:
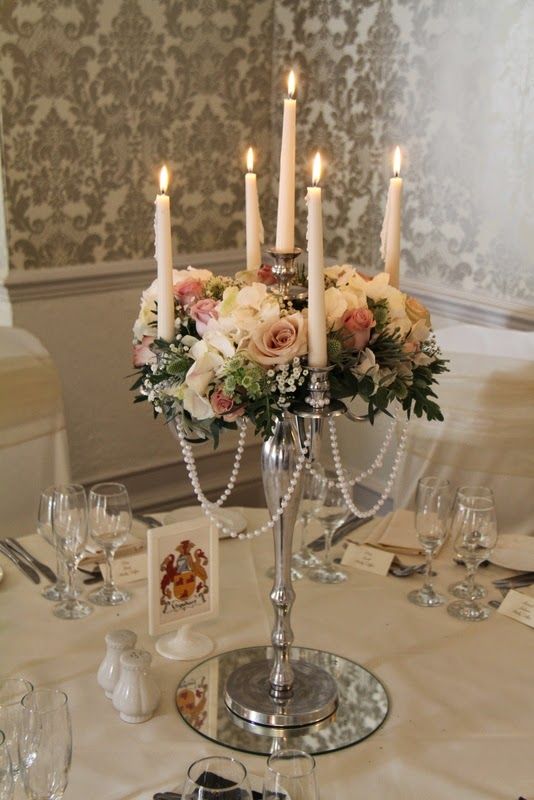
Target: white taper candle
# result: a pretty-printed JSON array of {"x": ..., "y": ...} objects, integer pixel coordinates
[
  {"x": 317, "y": 351},
  {"x": 285, "y": 225},
  {"x": 254, "y": 227},
  {"x": 390, "y": 236},
  {"x": 162, "y": 229}
]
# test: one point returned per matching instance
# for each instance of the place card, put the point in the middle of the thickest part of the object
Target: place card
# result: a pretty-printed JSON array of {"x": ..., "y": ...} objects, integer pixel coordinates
[
  {"x": 130, "y": 568},
  {"x": 368, "y": 559},
  {"x": 519, "y": 606}
]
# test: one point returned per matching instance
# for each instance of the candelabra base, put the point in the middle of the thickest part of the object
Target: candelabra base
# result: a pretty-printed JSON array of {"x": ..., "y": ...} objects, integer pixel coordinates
[{"x": 314, "y": 695}]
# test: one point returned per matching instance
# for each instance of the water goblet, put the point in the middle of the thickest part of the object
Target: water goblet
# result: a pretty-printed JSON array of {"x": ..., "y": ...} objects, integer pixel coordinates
[
  {"x": 332, "y": 514},
  {"x": 431, "y": 517},
  {"x": 69, "y": 522},
  {"x": 217, "y": 778},
  {"x": 475, "y": 539},
  {"x": 110, "y": 521},
  {"x": 461, "y": 589},
  {"x": 7, "y": 785},
  {"x": 291, "y": 774},
  {"x": 311, "y": 500},
  {"x": 12, "y": 690},
  {"x": 45, "y": 744}
]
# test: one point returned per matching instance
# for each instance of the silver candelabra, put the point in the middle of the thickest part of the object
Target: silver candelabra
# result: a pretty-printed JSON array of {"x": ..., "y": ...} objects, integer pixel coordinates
[{"x": 283, "y": 692}]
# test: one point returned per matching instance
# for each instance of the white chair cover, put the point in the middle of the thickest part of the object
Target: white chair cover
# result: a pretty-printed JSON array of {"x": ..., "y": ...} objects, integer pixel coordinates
[
  {"x": 488, "y": 434},
  {"x": 33, "y": 438}
]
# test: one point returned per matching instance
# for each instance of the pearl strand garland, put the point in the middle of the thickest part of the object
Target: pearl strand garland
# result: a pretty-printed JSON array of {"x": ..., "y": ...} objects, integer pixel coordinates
[
  {"x": 207, "y": 506},
  {"x": 345, "y": 486},
  {"x": 377, "y": 463},
  {"x": 242, "y": 424}
]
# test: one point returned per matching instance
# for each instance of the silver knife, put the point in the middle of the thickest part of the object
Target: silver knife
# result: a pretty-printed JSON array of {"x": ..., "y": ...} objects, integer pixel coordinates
[
  {"x": 22, "y": 565},
  {"x": 44, "y": 569}
]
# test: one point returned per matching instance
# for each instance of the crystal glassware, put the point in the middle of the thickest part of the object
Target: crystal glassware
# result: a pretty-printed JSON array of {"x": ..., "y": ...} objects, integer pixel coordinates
[
  {"x": 291, "y": 774},
  {"x": 216, "y": 778},
  {"x": 431, "y": 520},
  {"x": 461, "y": 589},
  {"x": 69, "y": 522},
  {"x": 54, "y": 591},
  {"x": 110, "y": 521},
  {"x": 12, "y": 690},
  {"x": 311, "y": 500},
  {"x": 476, "y": 537},
  {"x": 45, "y": 744},
  {"x": 332, "y": 514},
  {"x": 7, "y": 785}
]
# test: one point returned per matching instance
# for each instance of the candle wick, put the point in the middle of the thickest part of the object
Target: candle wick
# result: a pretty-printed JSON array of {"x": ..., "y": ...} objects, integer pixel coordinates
[{"x": 395, "y": 174}]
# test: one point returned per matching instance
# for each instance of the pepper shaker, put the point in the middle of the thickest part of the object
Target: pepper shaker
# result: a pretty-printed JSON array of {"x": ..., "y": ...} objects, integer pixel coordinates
[
  {"x": 136, "y": 694},
  {"x": 109, "y": 670}
]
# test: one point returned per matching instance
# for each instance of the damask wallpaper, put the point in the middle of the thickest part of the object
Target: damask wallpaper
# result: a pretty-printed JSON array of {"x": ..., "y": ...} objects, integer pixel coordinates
[{"x": 96, "y": 93}]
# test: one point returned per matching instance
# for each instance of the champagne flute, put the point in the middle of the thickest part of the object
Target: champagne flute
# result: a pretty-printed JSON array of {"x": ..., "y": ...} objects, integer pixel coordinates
[
  {"x": 311, "y": 500},
  {"x": 475, "y": 539},
  {"x": 12, "y": 690},
  {"x": 7, "y": 785},
  {"x": 431, "y": 517},
  {"x": 216, "y": 778},
  {"x": 58, "y": 590},
  {"x": 45, "y": 744},
  {"x": 69, "y": 522},
  {"x": 290, "y": 774},
  {"x": 110, "y": 521},
  {"x": 332, "y": 514},
  {"x": 461, "y": 589}
]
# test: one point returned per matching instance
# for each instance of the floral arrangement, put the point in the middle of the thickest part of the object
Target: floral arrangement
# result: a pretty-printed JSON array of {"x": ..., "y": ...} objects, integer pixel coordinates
[{"x": 240, "y": 349}]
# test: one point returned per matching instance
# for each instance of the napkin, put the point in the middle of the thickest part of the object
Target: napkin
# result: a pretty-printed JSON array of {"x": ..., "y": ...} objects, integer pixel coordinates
[{"x": 396, "y": 533}]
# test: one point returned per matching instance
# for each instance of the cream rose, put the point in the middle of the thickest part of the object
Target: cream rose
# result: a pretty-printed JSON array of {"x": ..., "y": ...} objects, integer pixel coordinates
[
  {"x": 280, "y": 341},
  {"x": 416, "y": 311},
  {"x": 335, "y": 307}
]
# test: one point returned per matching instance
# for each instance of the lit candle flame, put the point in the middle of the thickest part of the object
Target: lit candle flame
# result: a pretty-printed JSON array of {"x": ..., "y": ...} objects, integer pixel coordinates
[
  {"x": 163, "y": 179},
  {"x": 397, "y": 162},
  {"x": 291, "y": 84},
  {"x": 250, "y": 160},
  {"x": 316, "y": 171}
]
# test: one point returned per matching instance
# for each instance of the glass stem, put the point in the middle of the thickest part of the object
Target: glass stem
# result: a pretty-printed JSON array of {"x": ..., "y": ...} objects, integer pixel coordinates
[
  {"x": 301, "y": 525},
  {"x": 428, "y": 574},
  {"x": 108, "y": 584},
  {"x": 60, "y": 570},
  {"x": 327, "y": 542},
  {"x": 471, "y": 572},
  {"x": 71, "y": 589}
]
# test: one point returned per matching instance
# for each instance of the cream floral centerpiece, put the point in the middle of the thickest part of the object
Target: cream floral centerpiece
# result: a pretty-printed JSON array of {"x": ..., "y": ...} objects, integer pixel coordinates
[{"x": 240, "y": 349}]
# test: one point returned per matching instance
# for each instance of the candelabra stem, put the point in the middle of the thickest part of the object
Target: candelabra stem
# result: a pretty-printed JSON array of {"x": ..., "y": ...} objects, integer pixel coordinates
[{"x": 278, "y": 460}]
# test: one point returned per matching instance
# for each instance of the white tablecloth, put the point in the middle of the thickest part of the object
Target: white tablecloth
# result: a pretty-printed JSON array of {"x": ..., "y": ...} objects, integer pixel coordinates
[{"x": 461, "y": 723}]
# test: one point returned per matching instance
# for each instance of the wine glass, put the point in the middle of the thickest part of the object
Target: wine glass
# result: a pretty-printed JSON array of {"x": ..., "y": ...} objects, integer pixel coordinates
[
  {"x": 311, "y": 500},
  {"x": 12, "y": 690},
  {"x": 58, "y": 590},
  {"x": 216, "y": 778},
  {"x": 69, "y": 522},
  {"x": 110, "y": 521},
  {"x": 332, "y": 514},
  {"x": 431, "y": 518},
  {"x": 475, "y": 539},
  {"x": 464, "y": 494},
  {"x": 7, "y": 785},
  {"x": 291, "y": 774},
  {"x": 45, "y": 744}
]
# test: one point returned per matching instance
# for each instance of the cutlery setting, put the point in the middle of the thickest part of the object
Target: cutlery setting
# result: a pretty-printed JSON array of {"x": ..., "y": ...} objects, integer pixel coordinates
[
  {"x": 44, "y": 569},
  {"x": 19, "y": 562}
]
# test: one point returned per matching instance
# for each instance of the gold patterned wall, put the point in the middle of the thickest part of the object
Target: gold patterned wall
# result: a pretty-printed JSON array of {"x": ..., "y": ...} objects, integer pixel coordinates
[{"x": 97, "y": 93}]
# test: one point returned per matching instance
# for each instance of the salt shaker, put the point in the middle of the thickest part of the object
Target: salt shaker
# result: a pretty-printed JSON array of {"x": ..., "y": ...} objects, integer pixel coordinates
[
  {"x": 136, "y": 694},
  {"x": 109, "y": 670}
]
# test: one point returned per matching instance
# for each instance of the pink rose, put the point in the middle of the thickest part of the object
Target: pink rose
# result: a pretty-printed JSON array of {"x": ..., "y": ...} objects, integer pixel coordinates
[
  {"x": 202, "y": 311},
  {"x": 265, "y": 275},
  {"x": 187, "y": 291},
  {"x": 280, "y": 341},
  {"x": 223, "y": 406},
  {"x": 358, "y": 322},
  {"x": 142, "y": 354}
]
